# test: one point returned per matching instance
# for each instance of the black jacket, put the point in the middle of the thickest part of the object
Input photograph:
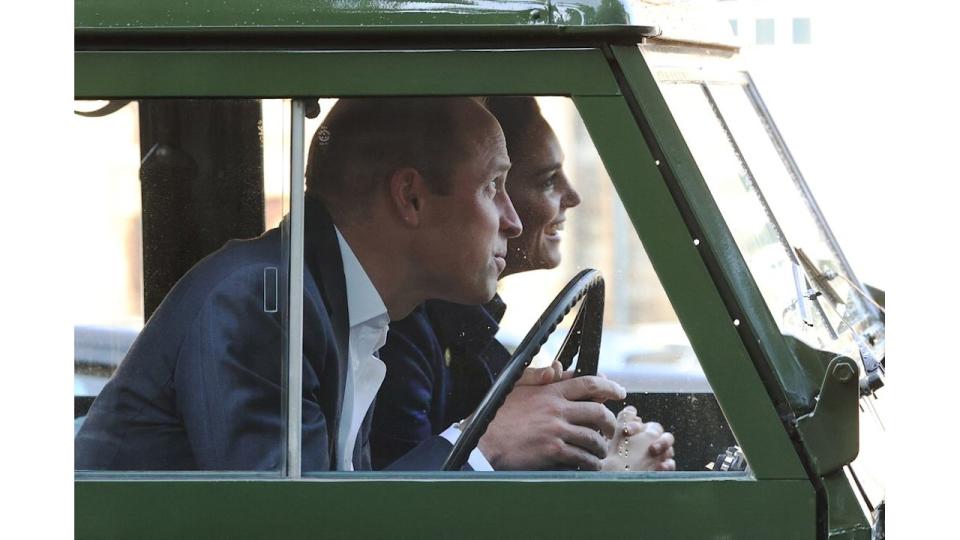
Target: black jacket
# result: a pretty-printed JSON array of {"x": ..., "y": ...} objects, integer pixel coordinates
[
  {"x": 441, "y": 360},
  {"x": 200, "y": 387}
]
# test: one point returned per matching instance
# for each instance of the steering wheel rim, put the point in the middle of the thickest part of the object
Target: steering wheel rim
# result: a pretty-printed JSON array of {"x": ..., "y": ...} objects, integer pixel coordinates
[{"x": 583, "y": 337}]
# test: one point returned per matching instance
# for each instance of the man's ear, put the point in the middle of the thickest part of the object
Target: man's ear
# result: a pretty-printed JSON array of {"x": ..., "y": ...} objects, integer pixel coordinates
[{"x": 407, "y": 191}]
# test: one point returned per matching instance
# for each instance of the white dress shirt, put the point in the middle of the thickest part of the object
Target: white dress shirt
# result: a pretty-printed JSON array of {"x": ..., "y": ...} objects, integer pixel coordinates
[
  {"x": 476, "y": 459},
  {"x": 365, "y": 372}
]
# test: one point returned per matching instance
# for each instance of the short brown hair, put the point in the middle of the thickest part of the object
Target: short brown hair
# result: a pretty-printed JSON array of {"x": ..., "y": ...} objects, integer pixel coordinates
[{"x": 363, "y": 140}]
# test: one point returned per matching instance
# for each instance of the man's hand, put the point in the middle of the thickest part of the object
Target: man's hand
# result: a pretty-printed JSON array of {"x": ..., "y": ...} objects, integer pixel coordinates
[
  {"x": 550, "y": 421},
  {"x": 639, "y": 446}
]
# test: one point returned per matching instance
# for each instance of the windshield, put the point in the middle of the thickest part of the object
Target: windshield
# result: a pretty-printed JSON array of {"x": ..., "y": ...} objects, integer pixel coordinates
[
  {"x": 846, "y": 305},
  {"x": 802, "y": 275}
]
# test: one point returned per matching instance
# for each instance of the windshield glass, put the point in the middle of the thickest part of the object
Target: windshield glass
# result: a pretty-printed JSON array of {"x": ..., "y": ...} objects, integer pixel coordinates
[
  {"x": 761, "y": 240},
  {"x": 197, "y": 381},
  {"x": 846, "y": 307},
  {"x": 803, "y": 277}
]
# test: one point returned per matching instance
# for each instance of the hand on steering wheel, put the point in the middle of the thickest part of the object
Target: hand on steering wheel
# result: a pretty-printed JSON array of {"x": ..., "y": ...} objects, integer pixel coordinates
[
  {"x": 551, "y": 421},
  {"x": 583, "y": 341}
]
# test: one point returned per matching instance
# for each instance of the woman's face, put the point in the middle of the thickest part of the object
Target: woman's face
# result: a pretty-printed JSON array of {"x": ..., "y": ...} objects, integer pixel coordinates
[{"x": 541, "y": 194}]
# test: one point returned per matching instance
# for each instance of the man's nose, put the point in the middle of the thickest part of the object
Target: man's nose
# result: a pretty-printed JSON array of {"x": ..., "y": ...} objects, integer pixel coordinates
[{"x": 510, "y": 224}]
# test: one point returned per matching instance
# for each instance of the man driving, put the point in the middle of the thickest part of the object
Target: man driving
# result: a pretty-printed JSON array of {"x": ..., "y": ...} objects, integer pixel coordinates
[{"x": 405, "y": 201}]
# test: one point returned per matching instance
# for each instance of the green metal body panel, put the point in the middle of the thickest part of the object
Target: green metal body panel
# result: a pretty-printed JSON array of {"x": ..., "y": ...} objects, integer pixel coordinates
[
  {"x": 814, "y": 361},
  {"x": 685, "y": 279},
  {"x": 847, "y": 515},
  {"x": 358, "y": 73},
  {"x": 306, "y": 13},
  {"x": 524, "y": 506}
]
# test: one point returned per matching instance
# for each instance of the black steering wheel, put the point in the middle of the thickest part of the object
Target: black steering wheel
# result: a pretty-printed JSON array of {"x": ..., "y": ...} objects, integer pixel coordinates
[{"x": 583, "y": 338}]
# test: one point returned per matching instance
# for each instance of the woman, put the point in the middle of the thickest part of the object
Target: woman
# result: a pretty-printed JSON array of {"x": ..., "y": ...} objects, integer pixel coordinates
[{"x": 442, "y": 359}]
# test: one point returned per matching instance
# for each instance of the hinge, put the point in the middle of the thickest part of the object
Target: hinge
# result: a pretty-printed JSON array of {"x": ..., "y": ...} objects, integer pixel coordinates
[{"x": 831, "y": 433}]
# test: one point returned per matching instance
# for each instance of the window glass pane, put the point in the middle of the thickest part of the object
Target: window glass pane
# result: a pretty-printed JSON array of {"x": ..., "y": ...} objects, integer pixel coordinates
[
  {"x": 108, "y": 310},
  {"x": 413, "y": 209},
  {"x": 847, "y": 309},
  {"x": 183, "y": 185},
  {"x": 439, "y": 360},
  {"x": 763, "y": 216},
  {"x": 801, "y": 31},
  {"x": 758, "y": 234},
  {"x": 765, "y": 32}
]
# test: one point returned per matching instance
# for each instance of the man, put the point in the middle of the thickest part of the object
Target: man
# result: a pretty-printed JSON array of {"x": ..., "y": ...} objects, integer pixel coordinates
[
  {"x": 405, "y": 202},
  {"x": 443, "y": 358}
]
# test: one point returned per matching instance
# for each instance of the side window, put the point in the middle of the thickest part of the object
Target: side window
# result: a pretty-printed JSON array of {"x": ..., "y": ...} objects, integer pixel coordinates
[
  {"x": 765, "y": 31},
  {"x": 801, "y": 31},
  {"x": 109, "y": 309},
  {"x": 433, "y": 233},
  {"x": 178, "y": 181}
]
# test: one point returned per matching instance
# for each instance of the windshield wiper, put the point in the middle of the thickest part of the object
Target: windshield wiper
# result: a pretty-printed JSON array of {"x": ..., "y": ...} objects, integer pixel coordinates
[
  {"x": 873, "y": 377},
  {"x": 820, "y": 279},
  {"x": 822, "y": 282},
  {"x": 801, "y": 288}
]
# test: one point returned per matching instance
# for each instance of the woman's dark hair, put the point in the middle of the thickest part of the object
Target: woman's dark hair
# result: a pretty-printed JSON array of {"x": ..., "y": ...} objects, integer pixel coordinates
[{"x": 518, "y": 115}]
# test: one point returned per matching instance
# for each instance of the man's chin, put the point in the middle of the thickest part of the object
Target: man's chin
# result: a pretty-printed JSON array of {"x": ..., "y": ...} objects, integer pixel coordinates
[
  {"x": 487, "y": 295},
  {"x": 476, "y": 297}
]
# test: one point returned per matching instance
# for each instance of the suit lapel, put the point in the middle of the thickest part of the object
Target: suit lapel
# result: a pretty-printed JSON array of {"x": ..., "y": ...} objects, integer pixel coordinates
[{"x": 322, "y": 257}]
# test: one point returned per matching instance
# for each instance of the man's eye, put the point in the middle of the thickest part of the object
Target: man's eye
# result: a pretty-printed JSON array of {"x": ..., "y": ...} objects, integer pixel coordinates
[{"x": 493, "y": 187}]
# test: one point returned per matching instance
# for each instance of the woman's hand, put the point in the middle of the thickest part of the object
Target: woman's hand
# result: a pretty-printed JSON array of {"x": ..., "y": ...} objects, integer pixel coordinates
[{"x": 639, "y": 446}]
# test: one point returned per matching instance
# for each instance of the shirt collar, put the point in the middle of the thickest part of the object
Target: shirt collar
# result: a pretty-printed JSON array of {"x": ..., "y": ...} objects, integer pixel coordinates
[{"x": 363, "y": 300}]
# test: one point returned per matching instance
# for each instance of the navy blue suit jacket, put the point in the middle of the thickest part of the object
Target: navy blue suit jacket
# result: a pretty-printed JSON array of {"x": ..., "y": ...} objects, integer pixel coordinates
[
  {"x": 200, "y": 387},
  {"x": 441, "y": 360}
]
